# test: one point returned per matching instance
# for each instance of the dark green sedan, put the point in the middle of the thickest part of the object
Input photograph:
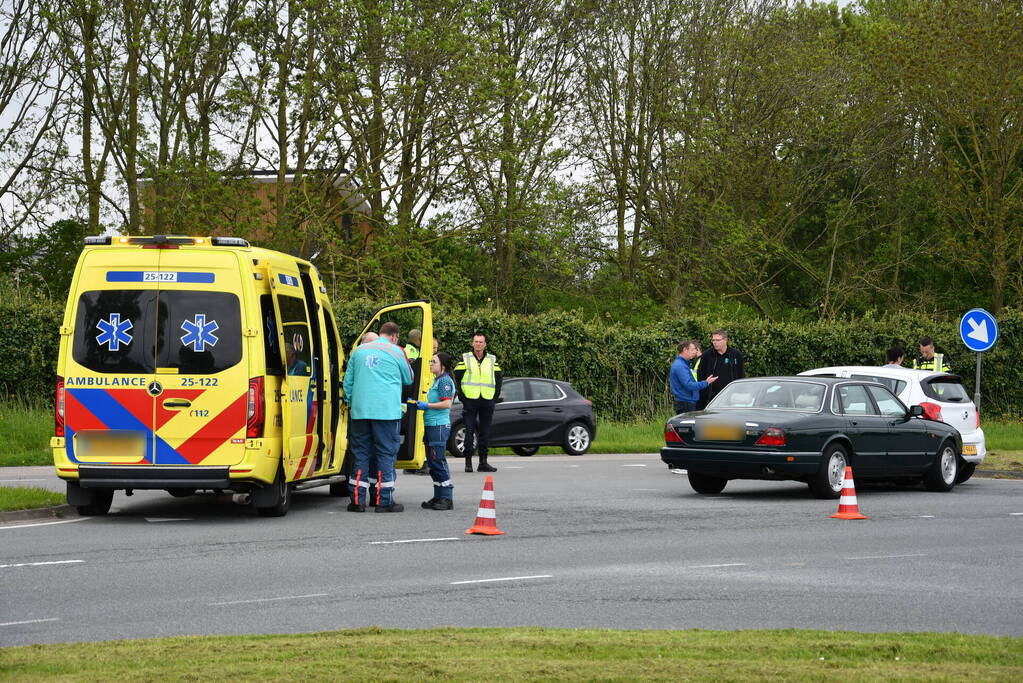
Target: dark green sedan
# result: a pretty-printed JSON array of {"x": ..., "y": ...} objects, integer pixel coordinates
[{"x": 809, "y": 429}]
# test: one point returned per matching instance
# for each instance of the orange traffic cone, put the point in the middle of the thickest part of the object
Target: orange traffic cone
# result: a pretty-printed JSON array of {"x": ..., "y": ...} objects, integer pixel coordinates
[
  {"x": 486, "y": 516},
  {"x": 847, "y": 507}
]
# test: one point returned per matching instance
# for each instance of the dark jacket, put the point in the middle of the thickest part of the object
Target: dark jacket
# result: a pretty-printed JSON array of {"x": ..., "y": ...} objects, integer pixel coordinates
[{"x": 727, "y": 366}]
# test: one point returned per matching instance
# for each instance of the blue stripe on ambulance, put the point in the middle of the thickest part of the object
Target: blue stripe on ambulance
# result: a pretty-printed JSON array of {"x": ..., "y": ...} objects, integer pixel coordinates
[{"x": 160, "y": 276}]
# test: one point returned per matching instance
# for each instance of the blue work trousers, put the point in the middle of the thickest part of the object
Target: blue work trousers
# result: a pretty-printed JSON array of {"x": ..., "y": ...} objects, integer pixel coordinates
[
  {"x": 374, "y": 449},
  {"x": 436, "y": 444}
]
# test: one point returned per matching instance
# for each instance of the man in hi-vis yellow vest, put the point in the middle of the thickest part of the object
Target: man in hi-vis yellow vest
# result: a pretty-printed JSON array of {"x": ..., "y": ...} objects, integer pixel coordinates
[{"x": 479, "y": 384}]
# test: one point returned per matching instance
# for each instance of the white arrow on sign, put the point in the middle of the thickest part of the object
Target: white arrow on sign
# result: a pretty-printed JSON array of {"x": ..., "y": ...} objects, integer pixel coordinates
[{"x": 978, "y": 332}]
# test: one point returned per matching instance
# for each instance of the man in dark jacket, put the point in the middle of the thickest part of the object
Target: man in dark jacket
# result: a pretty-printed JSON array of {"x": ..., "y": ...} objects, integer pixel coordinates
[{"x": 723, "y": 361}]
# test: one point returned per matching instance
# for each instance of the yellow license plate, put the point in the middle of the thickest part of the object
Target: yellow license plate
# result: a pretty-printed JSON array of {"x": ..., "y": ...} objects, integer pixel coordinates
[
  {"x": 721, "y": 433},
  {"x": 110, "y": 446},
  {"x": 969, "y": 450}
]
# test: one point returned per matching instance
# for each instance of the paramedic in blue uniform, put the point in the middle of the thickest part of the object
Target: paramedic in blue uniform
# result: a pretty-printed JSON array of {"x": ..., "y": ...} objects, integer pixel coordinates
[
  {"x": 437, "y": 421},
  {"x": 685, "y": 388},
  {"x": 372, "y": 387}
]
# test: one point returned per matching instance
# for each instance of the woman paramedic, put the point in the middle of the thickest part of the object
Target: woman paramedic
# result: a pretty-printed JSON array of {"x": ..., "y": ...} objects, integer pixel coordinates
[{"x": 436, "y": 420}]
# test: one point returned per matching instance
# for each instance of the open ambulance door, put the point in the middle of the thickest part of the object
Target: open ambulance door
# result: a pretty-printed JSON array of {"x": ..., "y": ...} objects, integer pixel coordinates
[
  {"x": 412, "y": 451},
  {"x": 298, "y": 418}
]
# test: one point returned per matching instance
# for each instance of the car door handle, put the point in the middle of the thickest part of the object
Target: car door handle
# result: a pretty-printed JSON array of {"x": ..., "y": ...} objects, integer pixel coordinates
[
  {"x": 523, "y": 412},
  {"x": 172, "y": 403},
  {"x": 557, "y": 410}
]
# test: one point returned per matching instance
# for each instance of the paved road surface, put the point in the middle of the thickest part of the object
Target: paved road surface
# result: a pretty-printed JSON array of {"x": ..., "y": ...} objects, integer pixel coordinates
[{"x": 596, "y": 541}]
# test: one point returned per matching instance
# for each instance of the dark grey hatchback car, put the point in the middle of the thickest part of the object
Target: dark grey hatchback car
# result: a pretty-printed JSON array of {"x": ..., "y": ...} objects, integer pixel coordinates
[{"x": 534, "y": 412}]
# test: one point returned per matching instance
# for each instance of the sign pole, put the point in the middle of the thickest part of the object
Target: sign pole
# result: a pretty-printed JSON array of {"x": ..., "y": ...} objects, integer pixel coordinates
[{"x": 976, "y": 386}]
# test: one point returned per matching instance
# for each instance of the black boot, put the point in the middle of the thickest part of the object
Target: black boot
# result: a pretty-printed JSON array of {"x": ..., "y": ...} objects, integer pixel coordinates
[
  {"x": 483, "y": 466},
  {"x": 468, "y": 463}
]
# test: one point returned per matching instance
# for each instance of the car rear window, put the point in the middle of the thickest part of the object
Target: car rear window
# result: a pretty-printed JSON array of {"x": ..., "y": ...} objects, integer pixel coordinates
[
  {"x": 946, "y": 389},
  {"x": 136, "y": 331},
  {"x": 894, "y": 385},
  {"x": 514, "y": 390},
  {"x": 544, "y": 391},
  {"x": 771, "y": 394}
]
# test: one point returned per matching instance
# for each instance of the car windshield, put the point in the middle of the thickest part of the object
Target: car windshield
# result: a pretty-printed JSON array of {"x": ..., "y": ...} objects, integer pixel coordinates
[{"x": 771, "y": 394}]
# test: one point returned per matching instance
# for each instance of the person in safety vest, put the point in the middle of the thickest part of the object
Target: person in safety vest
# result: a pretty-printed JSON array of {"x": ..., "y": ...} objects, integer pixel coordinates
[
  {"x": 929, "y": 360},
  {"x": 685, "y": 388},
  {"x": 415, "y": 340},
  {"x": 372, "y": 387},
  {"x": 479, "y": 384}
]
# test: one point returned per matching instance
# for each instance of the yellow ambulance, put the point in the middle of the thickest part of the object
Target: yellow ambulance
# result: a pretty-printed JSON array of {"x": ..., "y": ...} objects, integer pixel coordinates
[{"x": 203, "y": 363}]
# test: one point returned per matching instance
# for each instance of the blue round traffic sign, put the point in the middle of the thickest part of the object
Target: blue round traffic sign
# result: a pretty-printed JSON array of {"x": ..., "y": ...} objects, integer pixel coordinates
[{"x": 979, "y": 330}]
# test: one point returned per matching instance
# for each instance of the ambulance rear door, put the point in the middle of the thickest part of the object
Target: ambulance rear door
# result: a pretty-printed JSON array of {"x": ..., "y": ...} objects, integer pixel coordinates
[
  {"x": 201, "y": 366},
  {"x": 298, "y": 404}
]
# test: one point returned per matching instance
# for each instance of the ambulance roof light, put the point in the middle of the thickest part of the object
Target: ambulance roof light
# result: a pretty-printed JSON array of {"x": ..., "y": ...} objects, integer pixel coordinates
[
  {"x": 229, "y": 242},
  {"x": 98, "y": 239}
]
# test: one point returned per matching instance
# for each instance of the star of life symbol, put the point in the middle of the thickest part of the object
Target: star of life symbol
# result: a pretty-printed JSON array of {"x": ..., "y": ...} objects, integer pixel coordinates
[
  {"x": 372, "y": 361},
  {"x": 114, "y": 332},
  {"x": 199, "y": 333}
]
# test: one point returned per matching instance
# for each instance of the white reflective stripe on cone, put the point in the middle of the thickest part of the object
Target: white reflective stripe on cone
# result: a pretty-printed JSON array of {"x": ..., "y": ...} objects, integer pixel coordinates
[
  {"x": 487, "y": 513},
  {"x": 847, "y": 500},
  {"x": 487, "y": 495}
]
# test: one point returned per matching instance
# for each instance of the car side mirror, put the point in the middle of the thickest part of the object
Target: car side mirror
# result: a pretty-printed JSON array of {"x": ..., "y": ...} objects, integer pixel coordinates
[{"x": 916, "y": 411}]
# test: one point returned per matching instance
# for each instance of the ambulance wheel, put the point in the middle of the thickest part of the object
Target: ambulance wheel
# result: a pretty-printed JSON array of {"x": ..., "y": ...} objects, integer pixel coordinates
[
  {"x": 100, "y": 504},
  {"x": 282, "y": 490}
]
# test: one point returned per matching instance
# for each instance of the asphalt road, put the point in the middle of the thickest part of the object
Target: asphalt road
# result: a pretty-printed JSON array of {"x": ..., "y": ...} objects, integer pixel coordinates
[{"x": 596, "y": 541}]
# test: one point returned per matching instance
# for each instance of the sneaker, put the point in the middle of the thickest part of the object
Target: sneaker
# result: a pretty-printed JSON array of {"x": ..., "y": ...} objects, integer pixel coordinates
[
  {"x": 356, "y": 507},
  {"x": 485, "y": 467},
  {"x": 393, "y": 507},
  {"x": 439, "y": 504}
]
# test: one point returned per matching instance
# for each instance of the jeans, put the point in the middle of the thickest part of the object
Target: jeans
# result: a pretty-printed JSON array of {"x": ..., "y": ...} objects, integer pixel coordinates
[
  {"x": 436, "y": 444},
  {"x": 374, "y": 448},
  {"x": 684, "y": 406},
  {"x": 477, "y": 414}
]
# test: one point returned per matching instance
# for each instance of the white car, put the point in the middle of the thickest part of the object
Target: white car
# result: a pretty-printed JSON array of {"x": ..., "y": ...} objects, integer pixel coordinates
[{"x": 943, "y": 397}]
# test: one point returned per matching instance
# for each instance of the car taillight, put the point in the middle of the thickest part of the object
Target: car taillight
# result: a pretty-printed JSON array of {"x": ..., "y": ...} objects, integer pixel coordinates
[
  {"x": 772, "y": 436},
  {"x": 588, "y": 402},
  {"x": 932, "y": 411},
  {"x": 256, "y": 409},
  {"x": 58, "y": 408},
  {"x": 671, "y": 436}
]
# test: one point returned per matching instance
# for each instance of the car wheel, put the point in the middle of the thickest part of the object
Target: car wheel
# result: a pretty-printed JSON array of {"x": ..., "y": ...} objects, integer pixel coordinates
[
  {"x": 525, "y": 451},
  {"x": 827, "y": 483},
  {"x": 282, "y": 500},
  {"x": 942, "y": 474},
  {"x": 966, "y": 471},
  {"x": 100, "y": 504},
  {"x": 704, "y": 483},
  {"x": 456, "y": 441},
  {"x": 577, "y": 439}
]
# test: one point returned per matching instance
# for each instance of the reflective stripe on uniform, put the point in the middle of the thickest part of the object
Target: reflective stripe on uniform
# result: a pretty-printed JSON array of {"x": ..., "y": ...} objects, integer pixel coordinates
[{"x": 443, "y": 483}]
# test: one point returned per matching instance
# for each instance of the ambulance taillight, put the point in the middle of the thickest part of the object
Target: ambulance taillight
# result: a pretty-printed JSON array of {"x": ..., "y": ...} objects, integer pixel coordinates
[
  {"x": 256, "y": 405},
  {"x": 58, "y": 408}
]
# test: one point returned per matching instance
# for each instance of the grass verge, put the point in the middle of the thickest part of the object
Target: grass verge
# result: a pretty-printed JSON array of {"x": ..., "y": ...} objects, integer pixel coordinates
[
  {"x": 27, "y": 498},
  {"x": 25, "y": 432},
  {"x": 529, "y": 654}
]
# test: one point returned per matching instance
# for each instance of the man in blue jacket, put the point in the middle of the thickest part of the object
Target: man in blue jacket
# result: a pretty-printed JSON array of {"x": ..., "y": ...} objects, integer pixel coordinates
[
  {"x": 372, "y": 387},
  {"x": 684, "y": 386}
]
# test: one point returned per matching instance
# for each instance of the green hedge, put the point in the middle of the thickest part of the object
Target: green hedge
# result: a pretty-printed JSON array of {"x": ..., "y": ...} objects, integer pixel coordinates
[{"x": 622, "y": 369}]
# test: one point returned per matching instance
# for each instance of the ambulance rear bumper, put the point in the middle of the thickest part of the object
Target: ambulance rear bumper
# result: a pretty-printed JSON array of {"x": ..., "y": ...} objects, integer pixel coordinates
[{"x": 145, "y": 477}]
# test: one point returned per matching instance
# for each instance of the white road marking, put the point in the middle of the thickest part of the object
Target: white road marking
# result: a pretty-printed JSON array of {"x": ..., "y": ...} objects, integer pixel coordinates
[
  {"x": 29, "y": 621},
  {"x": 635, "y": 465},
  {"x": 885, "y": 557},
  {"x": 507, "y": 578},
  {"x": 286, "y": 597},
  {"x": 573, "y": 465},
  {"x": 513, "y": 467},
  {"x": 1015, "y": 514},
  {"x": 644, "y": 489},
  {"x": 168, "y": 519},
  {"x": 63, "y": 521},
  {"x": 40, "y": 564},
  {"x": 926, "y": 516},
  {"x": 715, "y": 566},
  {"x": 416, "y": 540}
]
